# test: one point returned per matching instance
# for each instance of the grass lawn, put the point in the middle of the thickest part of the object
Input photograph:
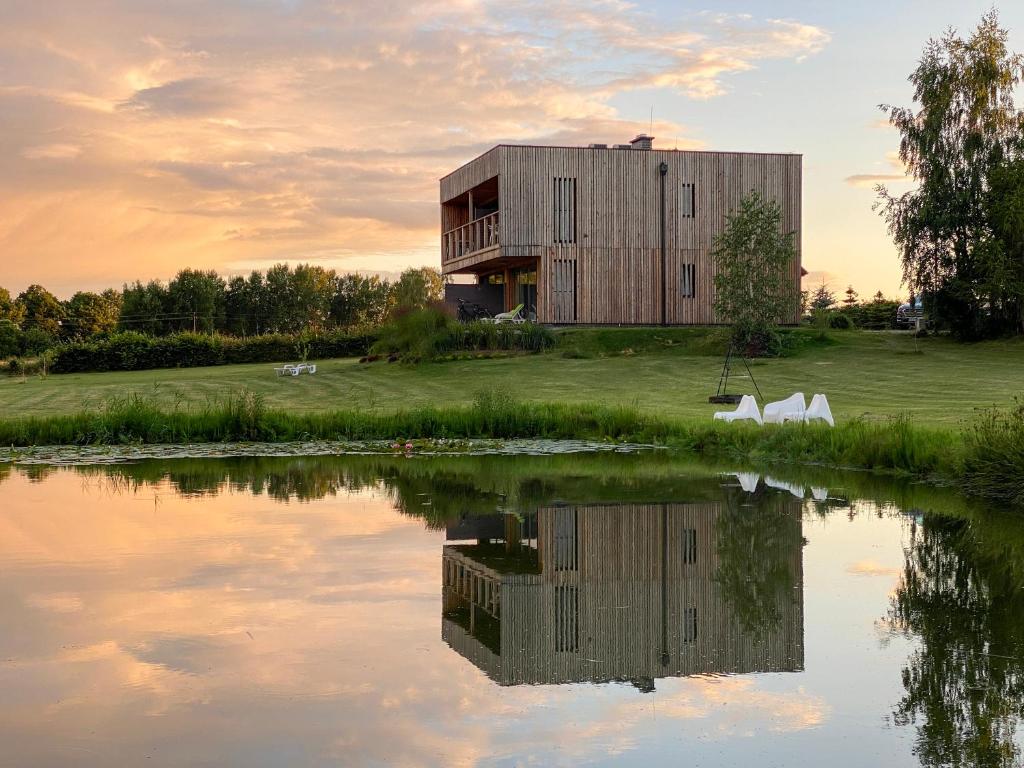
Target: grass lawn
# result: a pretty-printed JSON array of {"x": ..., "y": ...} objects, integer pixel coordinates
[{"x": 864, "y": 374}]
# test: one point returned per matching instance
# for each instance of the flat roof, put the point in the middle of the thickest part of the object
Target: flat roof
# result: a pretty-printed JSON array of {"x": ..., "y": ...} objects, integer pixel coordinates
[{"x": 624, "y": 149}]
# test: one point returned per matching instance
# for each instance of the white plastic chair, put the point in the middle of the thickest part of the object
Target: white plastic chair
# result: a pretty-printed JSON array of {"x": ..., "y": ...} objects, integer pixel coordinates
[
  {"x": 819, "y": 494},
  {"x": 818, "y": 409},
  {"x": 790, "y": 409},
  {"x": 747, "y": 409},
  {"x": 782, "y": 485},
  {"x": 311, "y": 368},
  {"x": 748, "y": 481}
]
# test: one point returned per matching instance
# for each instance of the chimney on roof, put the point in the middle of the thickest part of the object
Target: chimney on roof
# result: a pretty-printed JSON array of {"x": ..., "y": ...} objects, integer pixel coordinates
[{"x": 643, "y": 141}]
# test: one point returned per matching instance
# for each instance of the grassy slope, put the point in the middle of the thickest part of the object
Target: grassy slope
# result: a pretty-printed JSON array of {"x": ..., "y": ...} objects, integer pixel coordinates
[{"x": 872, "y": 375}]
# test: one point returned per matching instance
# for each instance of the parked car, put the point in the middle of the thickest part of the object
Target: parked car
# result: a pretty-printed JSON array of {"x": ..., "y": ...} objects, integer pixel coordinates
[{"x": 910, "y": 315}]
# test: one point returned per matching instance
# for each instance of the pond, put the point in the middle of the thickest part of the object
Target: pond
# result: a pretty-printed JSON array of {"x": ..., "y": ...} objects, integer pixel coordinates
[{"x": 616, "y": 609}]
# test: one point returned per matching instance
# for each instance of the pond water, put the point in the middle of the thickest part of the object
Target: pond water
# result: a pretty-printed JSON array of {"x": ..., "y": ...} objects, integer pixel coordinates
[{"x": 489, "y": 610}]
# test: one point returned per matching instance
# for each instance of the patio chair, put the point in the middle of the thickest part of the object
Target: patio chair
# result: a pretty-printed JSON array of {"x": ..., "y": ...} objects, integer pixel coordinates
[
  {"x": 285, "y": 370},
  {"x": 748, "y": 481},
  {"x": 819, "y": 494},
  {"x": 513, "y": 316},
  {"x": 790, "y": 409},
  {"x": 819, "y": 409},
  {"x": 747, "y": 409},
  {"x": 782, "y": 485}
]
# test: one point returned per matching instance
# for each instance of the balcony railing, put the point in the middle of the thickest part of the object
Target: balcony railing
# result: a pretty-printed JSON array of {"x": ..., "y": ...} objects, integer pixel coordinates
[{"x": 475, "y": 236}]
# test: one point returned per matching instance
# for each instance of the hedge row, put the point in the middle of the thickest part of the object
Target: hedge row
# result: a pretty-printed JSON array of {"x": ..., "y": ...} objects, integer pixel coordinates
[{"x": 131, "y": 351}]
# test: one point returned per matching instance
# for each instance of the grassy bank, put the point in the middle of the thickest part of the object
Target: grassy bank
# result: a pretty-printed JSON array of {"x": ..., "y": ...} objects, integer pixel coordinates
[
  {"x": 668, "y": 372},
  {"x": 894, "y": 446}
]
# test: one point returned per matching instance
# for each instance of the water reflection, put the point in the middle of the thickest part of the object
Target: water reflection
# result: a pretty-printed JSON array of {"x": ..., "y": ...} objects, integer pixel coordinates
[
  {"x": 304, "y": 601},
  {"x": 627, "y": 592},
  {"x": 961, "y": 593}
]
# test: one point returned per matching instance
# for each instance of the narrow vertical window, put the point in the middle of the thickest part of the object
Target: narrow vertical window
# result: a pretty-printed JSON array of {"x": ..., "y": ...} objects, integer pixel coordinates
[
  {"x": 564, "y": 210},
  {"x": 566, "y": 541},
  {"x": 567, "y": 619},
  {"x": 688, "y": 201},
  {"x": 690, "y": 625},
  {"x": 688, "y": 281},
  {"x": 690, "y": 546}
]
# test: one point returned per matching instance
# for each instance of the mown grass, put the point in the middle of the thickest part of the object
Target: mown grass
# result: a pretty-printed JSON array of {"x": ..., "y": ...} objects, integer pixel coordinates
[{"x": 667, "y": 372}]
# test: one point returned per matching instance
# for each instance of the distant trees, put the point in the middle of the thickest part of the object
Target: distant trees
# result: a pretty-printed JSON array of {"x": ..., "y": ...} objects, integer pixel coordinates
[
  {"x": 88, "y": 314},
  {"x": 360, "y": 300},
  {"x": 958, "y": 231},
  {"x": 143, "y": 308},
  {"x": 42, "y": 311},
  {"x": 195, "y": 301},
  {"x": 753, "y": 258},
  {"x": 822, "y": 298},
  {"x": 282, "y": 299},
  {"x": 10, "y": 310},
  {"x": 417, "y": 288}
]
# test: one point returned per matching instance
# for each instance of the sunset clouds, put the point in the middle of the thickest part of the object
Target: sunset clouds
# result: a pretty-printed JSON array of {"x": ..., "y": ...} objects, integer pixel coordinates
[{"x": 138, "y": 138}]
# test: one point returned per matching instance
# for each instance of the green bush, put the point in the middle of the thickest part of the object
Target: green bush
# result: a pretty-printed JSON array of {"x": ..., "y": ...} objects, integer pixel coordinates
[
  {"x": 130, "y": 351},
  {"x": 425, "y": 334},
  {"x": 840, "y": 321},
  {"x": 35, "y": 341},
  {"x": 872, "y": 316},
  {"x": 994, "y": 456}
]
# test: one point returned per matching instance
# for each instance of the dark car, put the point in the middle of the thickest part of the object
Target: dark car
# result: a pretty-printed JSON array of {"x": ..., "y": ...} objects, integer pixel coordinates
[{"x": 910, "y": 315}]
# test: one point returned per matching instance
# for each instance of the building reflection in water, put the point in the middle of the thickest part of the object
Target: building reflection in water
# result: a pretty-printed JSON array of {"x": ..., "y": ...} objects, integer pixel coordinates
[{"x": 624, "y": 592}]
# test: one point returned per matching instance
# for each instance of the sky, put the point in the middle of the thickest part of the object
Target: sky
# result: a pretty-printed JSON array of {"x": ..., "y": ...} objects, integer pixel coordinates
[{"x": 140, "y": 138}]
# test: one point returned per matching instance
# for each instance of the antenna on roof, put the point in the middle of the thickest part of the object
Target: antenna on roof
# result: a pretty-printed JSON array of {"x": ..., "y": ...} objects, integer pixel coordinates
[{"x": 650, "y": 130}]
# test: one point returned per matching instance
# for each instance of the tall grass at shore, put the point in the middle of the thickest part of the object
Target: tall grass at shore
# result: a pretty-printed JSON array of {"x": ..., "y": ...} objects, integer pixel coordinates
[
  {"x": 894, "y": 445},
  {"x": 993, "y": 465}
]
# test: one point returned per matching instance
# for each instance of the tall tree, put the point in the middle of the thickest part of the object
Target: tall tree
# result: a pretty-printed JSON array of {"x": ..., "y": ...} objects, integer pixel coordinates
[
  {"x": 754, "y": 291},
  {"x": 822, "y": 298},
  {"x": 196, "y": 301},
  {"x": 143, "y": 307},
  {"x": 313, "y": 289},
  {"x": 360, "y": 300},
  {"x": 851, "y": 297},
  {"x": 90, "y": 313},
  {"x": 964, "y": 125},
  {"x": 9, "y": 308},
  {"x": 1003, "y": 258},
  {"x": 416, "y": 288},
  {"x": 42, "y": 310}
]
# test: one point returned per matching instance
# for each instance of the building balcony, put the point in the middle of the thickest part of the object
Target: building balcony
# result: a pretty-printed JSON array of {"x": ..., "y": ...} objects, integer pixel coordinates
[{"x": 470, "y": 239}]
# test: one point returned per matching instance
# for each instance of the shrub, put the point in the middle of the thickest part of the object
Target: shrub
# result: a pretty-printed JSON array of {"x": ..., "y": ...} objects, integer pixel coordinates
[
  {"x": 840, "y": 321},
  {"x": 993, "y": 464},
  {"x": 35, "y": 341},
  {"x": 130, "y": 351},
  {"x": 424, "y": 334}
]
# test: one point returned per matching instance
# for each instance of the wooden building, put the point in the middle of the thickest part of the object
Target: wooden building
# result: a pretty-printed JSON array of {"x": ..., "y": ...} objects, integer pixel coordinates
[
  {"x": 627, "y": 592},
  {"x": 619, "y": 235}
]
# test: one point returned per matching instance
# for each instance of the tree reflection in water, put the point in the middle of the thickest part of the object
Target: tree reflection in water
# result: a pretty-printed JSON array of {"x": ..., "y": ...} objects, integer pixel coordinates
[
  {"x": 757, "y": 535},
  {"x": 960, "y": 594}
]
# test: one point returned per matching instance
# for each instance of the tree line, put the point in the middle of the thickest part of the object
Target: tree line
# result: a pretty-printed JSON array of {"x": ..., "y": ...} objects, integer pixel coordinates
[
  {"x": 281, "y": 299},
  {"x": 960, "y": 231}
]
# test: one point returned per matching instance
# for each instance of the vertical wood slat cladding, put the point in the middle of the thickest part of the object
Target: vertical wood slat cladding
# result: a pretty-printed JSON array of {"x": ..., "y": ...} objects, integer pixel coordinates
[
  {"x": 603, "y": 619},
  {"x": 616, "y": 222}
]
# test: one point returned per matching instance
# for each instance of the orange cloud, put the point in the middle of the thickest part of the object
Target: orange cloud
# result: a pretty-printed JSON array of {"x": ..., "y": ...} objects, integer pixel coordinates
[{"x": 146, "y": 139}]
